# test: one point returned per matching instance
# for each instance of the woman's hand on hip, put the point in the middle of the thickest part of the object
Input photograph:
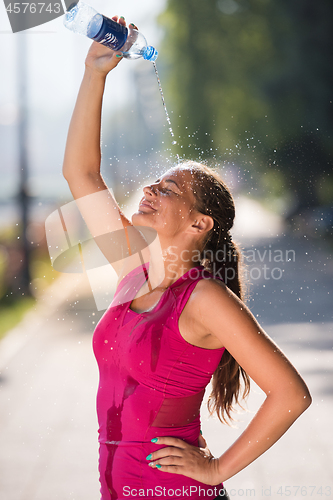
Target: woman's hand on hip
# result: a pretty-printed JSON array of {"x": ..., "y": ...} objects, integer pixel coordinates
[{"x": 179, "y": 457}]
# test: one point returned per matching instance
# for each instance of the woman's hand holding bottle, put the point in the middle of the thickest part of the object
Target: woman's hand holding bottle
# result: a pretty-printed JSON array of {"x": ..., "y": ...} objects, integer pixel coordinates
[
  {"x": 101, "y": 58},
  {"x": 82, "y": 160}
]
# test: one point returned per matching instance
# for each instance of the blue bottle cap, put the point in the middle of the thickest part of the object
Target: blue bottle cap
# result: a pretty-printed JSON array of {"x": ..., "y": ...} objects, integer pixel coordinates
[{"x": 150, "y": 54}]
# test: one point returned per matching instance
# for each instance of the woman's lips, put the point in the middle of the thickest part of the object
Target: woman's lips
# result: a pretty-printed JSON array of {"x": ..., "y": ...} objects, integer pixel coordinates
[{"x": 146, "y": 204}]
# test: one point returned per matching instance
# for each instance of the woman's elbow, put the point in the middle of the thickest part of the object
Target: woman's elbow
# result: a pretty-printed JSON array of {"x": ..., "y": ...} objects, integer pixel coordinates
[
  {"x": 301, "y": 399},
  {"x": 294, "y": 398},
  {"x": 66, "y": 172},
  {"x": 307, "y": 399}
]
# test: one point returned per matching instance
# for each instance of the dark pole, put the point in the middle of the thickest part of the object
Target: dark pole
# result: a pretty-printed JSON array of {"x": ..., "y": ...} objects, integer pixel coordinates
[{"x": 23, "y": 197}]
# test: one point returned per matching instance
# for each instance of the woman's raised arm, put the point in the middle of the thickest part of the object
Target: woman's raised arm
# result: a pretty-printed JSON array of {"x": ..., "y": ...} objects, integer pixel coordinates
[
  {"x": 81, "y": 167},
  {"x": 82, "y": 160}
]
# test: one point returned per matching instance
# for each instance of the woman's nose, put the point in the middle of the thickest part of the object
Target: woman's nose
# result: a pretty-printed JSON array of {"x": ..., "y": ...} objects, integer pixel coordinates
[{"x": 149, "y": 190}]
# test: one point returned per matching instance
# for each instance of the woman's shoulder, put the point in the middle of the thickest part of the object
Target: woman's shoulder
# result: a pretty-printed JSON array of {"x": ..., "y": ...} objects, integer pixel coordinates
[
  {"x": 201, "y": 306},
  {"x": 213, "y": 309},
  {"x": 209, "y": 294},
  {"x": 208, "y": 284}
]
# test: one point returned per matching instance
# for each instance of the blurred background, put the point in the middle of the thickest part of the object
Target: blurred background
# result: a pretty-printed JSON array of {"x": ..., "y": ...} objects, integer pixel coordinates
[{"x": 248, "y": 85}]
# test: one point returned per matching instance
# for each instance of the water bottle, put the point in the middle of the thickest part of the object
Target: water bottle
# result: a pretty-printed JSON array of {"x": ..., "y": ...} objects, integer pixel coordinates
[{"x": 83, "y": 19}]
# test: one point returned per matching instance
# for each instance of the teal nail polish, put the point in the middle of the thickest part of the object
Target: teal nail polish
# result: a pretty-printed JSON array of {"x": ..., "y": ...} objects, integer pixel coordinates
[
  {"x": 154, "y": 440},
  {"x": 119, "y": 55},
  {"x": 158, "y": 466},
  {"x": 201, "y": 432},
  {"x": 150, "y": 456}
]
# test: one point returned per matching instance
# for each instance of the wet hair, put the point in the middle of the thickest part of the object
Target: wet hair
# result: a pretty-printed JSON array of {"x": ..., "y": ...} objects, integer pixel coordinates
[{"x": 221, "y": 256}]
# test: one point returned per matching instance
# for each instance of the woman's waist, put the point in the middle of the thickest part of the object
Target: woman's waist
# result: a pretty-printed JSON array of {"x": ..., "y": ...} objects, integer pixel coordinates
[
  {"x": 141, "y": 408},
  {"x": 136, "y": 437}
]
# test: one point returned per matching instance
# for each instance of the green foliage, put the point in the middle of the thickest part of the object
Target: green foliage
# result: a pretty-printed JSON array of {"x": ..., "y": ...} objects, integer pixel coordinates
[
  {"x": 13, "y": 303},
  {"x": 252, "y": 76},
  {"x": 13, "y": 313}
]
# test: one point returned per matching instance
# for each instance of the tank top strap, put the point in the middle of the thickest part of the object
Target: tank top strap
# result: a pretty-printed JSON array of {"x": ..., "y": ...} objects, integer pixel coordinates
[{"x": 189, "y": 280}]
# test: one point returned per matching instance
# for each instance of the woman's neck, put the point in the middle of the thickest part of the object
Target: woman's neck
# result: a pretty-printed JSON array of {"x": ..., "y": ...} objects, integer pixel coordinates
[{"x": 168, "y": 263}]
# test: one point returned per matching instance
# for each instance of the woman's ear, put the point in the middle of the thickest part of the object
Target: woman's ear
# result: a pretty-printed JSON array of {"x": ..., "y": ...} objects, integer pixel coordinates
[{"x": 203, "y": 224}]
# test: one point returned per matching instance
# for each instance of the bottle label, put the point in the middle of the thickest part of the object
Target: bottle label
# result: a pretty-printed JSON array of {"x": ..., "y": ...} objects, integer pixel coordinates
[{"x": 111, "y": 34}]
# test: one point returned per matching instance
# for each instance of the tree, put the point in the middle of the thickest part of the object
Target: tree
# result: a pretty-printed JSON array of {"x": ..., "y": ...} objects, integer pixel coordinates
[{"x": 254, "y": 77}]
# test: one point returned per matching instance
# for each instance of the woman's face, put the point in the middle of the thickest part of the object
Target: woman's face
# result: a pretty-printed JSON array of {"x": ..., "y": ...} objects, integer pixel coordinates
[{"x": 168, "y": 203}]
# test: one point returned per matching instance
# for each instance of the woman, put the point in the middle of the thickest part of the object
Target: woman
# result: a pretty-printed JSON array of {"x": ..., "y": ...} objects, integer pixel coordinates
[{"x": 177, "y": 318}]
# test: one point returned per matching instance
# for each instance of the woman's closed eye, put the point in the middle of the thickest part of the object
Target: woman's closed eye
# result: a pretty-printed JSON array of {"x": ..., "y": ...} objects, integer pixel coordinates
[{"x": 166, "y": 190}]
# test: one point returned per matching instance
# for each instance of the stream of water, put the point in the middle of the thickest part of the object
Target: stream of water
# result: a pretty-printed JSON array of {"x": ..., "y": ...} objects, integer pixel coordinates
[{"x": 174, "y": 142}]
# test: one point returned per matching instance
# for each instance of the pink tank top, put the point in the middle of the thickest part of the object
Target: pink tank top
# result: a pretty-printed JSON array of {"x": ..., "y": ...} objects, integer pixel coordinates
[{"x": 152, "y": 382}]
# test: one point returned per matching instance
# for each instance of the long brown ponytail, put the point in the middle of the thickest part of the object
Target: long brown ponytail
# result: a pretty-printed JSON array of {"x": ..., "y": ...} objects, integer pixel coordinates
[{"x": 221, "y": 256}]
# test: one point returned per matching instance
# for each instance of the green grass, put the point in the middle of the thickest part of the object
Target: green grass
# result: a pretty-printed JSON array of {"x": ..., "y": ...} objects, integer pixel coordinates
[
  {"x": 12, "y": 305},
  {"x": 12, "y": 314}
]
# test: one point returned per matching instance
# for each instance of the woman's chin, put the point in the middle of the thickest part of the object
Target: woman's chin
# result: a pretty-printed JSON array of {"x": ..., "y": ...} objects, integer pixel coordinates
[{"x": 140, "y": 219}]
